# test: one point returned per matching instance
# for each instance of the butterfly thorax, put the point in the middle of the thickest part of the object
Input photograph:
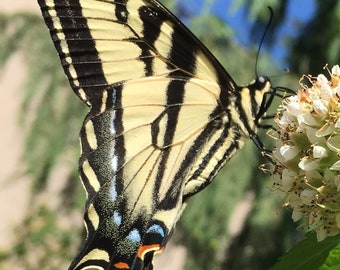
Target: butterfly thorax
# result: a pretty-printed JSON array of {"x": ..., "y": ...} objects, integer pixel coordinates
[{"x": 247, "y": 106}]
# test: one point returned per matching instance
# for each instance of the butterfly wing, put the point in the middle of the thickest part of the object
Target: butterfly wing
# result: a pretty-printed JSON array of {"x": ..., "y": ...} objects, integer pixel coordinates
[{"x": 159, "y": 127}]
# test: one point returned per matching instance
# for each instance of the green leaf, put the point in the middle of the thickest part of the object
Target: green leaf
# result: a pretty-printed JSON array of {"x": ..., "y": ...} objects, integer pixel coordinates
[
  {"x": 309, "y": 254},
  {"x": 333, "y": 260}
]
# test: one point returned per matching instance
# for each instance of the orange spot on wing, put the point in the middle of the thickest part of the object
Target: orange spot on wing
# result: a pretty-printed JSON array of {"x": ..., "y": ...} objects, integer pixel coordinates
[
  {"x": 144, "y": 249},
  {"x": 121, "y": 265}
]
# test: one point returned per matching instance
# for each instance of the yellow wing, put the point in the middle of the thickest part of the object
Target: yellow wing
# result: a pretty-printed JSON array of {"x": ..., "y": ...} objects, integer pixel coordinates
[{"x": 164, "y": 118}]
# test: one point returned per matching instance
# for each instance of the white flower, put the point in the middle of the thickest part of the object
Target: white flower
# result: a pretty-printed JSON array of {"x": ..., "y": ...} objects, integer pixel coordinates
[
  {"x": 326, "y": 92},
  {"x": 288, "y": 179},
  {"x": 334, "y": 143},
  {"x": 297, "y": 215},
  {"x": 293, "y": 107},
  {"x": 325, "y": 130},
  {"x": 307, "y": 119},
  {"x": 336, "y": 70},
  {"x": 319, "y": 107},
  {"x": 335, "y": 166},
  {"x": 337, "y": 124},
  {"x": 308, "y": 151},
  {"x": 311, "y": 134},
  {"x": 308, "y": 165},
  {"x": 288, "y": 152},
  {"x": 308, "y": 196},
  {"x": 319, "y": 152},
  {"x": 322, "y": 79}
]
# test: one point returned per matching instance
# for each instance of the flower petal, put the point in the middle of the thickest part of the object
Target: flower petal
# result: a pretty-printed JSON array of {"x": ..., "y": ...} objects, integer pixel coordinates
[
  {"x": 334, "y": 143},
  {"x": 308, "y": 119},
  {"x": 337, "y": 123},
  {"x": 308, "y": 196},
  {"x": 288, "y": 152},
  {"x": 319, "y": 152},
  {"x": 308, "y": 165},
  {"x": 293, "y": 108},
  {"x": 336, "y": 70},
  {"x": 311, "y": 134},
  {"x": 322, "y": 78},
  {"x": 335, "y": 166},
  {"x": 319, "y": 107},
  {"x": 297, "y": 215},
  {"x": 325, "y": 130}
]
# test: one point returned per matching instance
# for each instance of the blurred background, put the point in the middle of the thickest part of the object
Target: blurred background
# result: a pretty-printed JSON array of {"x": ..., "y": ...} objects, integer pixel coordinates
[{"x": 236, "y": 223}]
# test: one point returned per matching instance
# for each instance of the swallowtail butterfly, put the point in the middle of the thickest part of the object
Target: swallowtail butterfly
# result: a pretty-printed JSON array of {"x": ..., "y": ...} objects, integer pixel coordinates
[{"x": 164, "y": 118}]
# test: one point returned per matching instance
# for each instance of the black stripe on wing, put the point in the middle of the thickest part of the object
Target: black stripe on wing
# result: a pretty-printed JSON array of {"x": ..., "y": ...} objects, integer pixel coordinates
[{"x": 80, "y": 47}]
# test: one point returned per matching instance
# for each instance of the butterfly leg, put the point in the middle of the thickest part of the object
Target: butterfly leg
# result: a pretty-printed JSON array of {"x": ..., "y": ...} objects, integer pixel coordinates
[{"x": 259, "y": 144}]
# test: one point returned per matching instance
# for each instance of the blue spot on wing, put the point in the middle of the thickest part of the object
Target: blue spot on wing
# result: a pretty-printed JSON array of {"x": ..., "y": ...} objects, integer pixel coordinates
[
  {"x": 134, "y": 236},
  {"x": 156, "y": 229},
  {"x": 117, "y": 218},
  {"x": 114, "y": 163},
  {"x": 112, "y": 127},
  {"x": 113, "y": 191}
]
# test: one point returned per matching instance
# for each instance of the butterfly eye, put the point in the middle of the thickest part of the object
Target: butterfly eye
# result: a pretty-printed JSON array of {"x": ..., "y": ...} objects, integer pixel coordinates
[{"x": 261, "y": 82}]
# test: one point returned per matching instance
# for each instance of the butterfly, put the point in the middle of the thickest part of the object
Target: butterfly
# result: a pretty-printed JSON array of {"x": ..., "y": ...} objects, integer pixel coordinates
[{"x": 164, "y": 117}]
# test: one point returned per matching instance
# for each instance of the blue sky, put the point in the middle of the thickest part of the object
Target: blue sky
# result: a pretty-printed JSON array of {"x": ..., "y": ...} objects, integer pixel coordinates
[{"x": 299, "y": 13}]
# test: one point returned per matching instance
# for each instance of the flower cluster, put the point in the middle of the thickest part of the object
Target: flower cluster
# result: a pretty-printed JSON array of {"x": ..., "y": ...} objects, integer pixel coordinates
[{"x": 308, "y": 153}]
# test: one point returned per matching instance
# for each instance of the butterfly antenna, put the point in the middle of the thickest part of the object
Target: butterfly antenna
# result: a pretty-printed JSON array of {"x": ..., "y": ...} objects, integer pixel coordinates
[{"x": 263, "y": 37}]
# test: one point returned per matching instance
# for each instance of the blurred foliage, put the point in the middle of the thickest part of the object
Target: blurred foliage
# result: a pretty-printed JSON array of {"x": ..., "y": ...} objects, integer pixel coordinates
[
  {"x": 52, "y": 115},
  {"x": 319, "y": 41},
  {"x": 312, "y": 255},
  {"x": 42, "y": 242},
  {"x": 51, "y": 118}
]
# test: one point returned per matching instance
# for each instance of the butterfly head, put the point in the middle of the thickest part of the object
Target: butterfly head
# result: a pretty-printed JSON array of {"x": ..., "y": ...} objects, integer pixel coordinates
[
  {"x": 260, "y": 89},
  {"x": 260, "y": 95},
  {"x": 264, "y": 93}
]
